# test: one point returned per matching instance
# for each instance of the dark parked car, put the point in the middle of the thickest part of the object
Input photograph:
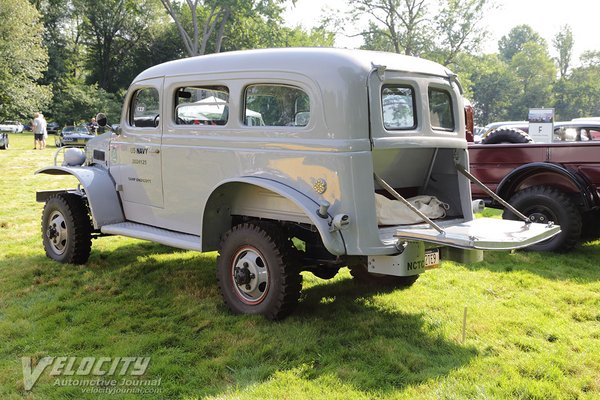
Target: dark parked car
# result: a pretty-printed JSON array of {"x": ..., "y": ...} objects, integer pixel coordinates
[
  {"x": 73, "y": 136},
  {"x": 52, "y": 127}
]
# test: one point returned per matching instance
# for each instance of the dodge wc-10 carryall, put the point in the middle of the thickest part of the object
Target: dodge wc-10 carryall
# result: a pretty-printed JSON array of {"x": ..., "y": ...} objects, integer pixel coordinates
[{"x": 282, "y": 161}]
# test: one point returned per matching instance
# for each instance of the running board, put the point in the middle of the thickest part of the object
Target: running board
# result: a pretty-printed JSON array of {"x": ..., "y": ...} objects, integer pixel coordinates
[{"x": 162, "y": 236}]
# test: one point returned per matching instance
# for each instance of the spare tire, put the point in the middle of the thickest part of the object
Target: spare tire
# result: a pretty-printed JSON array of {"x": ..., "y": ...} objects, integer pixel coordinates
[{"x": 506, "y": 135}]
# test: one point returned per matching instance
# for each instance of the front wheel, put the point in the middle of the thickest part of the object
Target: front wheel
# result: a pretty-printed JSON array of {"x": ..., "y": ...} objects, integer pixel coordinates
[
  {"x": 543, "y": 204},
  {"x": 255, "y": 272},
  {"x": 66, "y": 229}
]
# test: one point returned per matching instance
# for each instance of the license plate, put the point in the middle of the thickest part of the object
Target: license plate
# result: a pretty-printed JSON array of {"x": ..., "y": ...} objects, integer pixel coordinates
[{"x": 432, "y": 258}]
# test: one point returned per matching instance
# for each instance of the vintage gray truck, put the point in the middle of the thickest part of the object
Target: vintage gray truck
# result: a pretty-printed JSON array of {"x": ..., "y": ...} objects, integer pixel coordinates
[{"x": 284, "y": 160}]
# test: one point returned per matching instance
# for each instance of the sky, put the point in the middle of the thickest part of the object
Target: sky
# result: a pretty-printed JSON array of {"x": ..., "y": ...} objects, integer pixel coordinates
[{"x": 544, "y": 16}]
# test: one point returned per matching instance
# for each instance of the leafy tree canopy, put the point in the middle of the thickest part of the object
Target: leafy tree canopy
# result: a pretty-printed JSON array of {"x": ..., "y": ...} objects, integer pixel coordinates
[{"x": 22, "y": 60}]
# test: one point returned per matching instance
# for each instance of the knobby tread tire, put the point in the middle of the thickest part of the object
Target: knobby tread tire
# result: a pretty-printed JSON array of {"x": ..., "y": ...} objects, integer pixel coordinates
[
  {"x": 79, "y": 228},
  {"x": 564, "y": 209},
  {"x": 507, "y": 135},
  {"x": 284, "y": 271}
]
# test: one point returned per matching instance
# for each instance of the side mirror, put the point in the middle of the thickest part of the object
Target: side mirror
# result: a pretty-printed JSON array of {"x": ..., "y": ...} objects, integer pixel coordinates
[{"x": 101, "y": 119}]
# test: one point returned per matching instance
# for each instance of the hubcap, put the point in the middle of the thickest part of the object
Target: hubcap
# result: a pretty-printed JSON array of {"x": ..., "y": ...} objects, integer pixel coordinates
[
  {"x": 250, "y": 275},
  {"x": 57, "y": 232}
]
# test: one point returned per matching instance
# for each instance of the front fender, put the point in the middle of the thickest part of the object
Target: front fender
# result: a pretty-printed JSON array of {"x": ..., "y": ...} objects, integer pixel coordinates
[
  {"x": 99, "y": 187},
  {"x": 333, "y": 241}
]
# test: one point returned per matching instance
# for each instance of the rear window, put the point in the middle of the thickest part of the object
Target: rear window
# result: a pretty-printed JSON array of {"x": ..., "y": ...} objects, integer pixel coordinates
[
  {"x": 276, "y": 105},
  {"x": 440, "y": 109},
  {"x": 398, "y": 107}
]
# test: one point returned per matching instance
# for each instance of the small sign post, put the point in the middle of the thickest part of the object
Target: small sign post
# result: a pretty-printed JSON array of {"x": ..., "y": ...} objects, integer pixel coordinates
[{"x": 541, "y": 124}]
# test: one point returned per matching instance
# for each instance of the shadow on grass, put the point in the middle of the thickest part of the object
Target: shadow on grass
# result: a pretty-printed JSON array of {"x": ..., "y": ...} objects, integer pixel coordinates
[
  {"x": 579, "y": 265},
  {"x": 129, "y": 303}
]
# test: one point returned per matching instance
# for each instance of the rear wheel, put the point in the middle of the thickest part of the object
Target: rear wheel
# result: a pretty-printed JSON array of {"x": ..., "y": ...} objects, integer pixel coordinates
[
  {"x": 361, "y": 274},
  {"x": 543, "y": 204},
  {"x": 255, "y": 272},
  {"x": 66, "y": 229}
]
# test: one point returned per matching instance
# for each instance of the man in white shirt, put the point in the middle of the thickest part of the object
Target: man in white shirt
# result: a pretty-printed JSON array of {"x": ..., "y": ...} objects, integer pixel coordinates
[{"x": 39, "y": 130}]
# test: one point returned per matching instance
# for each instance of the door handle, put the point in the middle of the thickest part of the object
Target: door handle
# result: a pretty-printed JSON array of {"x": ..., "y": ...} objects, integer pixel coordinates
[{"x": 155, "y": 151}]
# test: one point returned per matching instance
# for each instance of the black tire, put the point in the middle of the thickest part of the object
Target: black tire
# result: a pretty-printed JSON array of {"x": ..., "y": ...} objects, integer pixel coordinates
[
  {"x": 256, "y": 273},
  {"x": 67, "y": 229},
  {"x": 545, "y": 203},
  {"x": 361, "y": 275},
  {"x": 506, "y": 135}
]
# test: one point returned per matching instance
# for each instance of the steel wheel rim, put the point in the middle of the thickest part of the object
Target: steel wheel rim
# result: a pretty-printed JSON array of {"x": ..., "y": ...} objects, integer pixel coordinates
[
  {"x": 250, "y": 275},
  {"x": 57, "y": 233}
]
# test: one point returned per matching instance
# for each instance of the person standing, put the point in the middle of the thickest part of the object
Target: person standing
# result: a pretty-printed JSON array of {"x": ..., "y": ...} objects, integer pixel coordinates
[
  {"x": 45, "y": 131},
  {"x": 93, "y": 126},
  {"x": 39, "y": 128}
]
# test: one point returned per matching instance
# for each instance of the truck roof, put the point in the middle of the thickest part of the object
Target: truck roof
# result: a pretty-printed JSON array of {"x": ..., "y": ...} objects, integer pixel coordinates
[{"x": 318, "y": 63}]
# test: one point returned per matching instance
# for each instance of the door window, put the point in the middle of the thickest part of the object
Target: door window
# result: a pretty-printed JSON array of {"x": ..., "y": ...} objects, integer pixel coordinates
[{"x": 145, "y": 108}]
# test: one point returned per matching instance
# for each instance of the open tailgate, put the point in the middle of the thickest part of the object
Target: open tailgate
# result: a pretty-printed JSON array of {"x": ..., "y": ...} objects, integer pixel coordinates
[{"x": 481, "y": 234}]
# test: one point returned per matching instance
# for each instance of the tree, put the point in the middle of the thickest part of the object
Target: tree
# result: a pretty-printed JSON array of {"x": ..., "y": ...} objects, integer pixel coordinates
[
  {"x": 411, "y": 27},
  {"x": 112, "y": 29},
  {"x": 511, "y": 44},
  {"x": 535, "y": 72},
  {"x": 458, "y": 27},
  {"x": 404, "y": 23},
  {"x": 203, "y": 25},
  {"x": 23, "y": 60},
  {"x": 77, "y": 102},
  {"x": 578, "y": 95},
  {"x": 563, "y": 43},
  {"x": 207, "y": 18},
  {"x": 490, "y": 84}
]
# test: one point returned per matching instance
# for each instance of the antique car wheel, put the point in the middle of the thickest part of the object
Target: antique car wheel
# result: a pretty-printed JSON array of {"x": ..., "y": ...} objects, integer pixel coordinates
[
  {"x": 361, "y": 275},
  {"x": 66, "y": 229},
  {"x": 255, "y": 272},
  {"x": 543, "y": 204}
]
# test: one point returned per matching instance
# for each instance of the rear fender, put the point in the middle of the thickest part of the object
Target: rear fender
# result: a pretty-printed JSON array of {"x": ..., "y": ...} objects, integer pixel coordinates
[
  {"x": 217, "y": 213},
  {"x": 99, "y": 188},
  {"x": 541, "y": 173}
]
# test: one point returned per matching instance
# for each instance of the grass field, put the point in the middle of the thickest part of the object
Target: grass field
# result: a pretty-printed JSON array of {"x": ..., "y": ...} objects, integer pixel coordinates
[{"x": 532, "y": 331}]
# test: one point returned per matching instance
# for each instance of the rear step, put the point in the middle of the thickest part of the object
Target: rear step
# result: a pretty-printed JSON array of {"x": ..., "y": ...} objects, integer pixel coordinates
[{"x": 162, "y": 236}]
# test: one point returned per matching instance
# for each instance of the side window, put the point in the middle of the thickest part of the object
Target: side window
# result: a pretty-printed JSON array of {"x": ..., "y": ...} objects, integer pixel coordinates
[
  {"x": 202, "y": 105},
  {"x": 276, "y": 105},
  {"x": 440, "y": 109},
  {"x": 398, "y": 107},
  {"x": 145, "y": 108}
]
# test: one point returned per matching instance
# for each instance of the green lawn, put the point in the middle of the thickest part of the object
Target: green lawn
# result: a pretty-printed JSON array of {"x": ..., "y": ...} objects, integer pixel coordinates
[{"x": 532, "y": 332}]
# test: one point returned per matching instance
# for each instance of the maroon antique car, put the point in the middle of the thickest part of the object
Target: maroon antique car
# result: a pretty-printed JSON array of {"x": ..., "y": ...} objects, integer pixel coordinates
[{"x": 557, "y": 182}]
